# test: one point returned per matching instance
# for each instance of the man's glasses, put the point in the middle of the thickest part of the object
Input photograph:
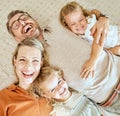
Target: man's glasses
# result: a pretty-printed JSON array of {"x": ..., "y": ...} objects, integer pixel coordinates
[{"x": 16, "y": 24}]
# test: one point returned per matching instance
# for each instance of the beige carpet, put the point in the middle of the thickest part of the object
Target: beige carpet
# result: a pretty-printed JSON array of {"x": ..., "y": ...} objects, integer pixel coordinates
[{"x": 42, "y": 11}]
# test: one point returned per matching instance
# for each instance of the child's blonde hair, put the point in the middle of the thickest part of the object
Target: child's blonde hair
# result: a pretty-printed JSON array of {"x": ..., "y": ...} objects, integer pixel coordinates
[
  {"x": 35, "y": 89},
  {"x": 69, "y": 8},
  {"x": 44, "y": 74}
]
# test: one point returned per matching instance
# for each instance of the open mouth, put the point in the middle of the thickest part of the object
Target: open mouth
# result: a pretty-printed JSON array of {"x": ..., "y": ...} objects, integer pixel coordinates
[
  {"x": 27, "y": 28},
  {"x": 63, "y": 91},
  {"x": 27, "y": 75}
]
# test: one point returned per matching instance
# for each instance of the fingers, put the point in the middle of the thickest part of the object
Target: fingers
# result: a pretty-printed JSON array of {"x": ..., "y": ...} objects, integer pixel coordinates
[
  {"x": 97, "y": 36},
  {"x": 93, "y": 30},
  {"x": 102, "y": 38},
  {"x": 100, "y": 30},
  {"x": 85, "y": 73},
  {"x": 93, "y": 73}
]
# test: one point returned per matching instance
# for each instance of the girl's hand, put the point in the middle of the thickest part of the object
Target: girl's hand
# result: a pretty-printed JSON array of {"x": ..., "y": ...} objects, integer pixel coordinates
[{"x": 88, "y": 68}]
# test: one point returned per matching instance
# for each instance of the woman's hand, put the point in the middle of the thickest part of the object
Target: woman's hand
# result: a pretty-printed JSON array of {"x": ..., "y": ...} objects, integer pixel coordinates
[{"x": 101, "y": 28}]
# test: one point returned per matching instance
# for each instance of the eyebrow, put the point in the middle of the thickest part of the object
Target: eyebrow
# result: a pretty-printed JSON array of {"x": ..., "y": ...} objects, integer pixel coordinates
[
  {"x": 16, "y": 19},
  {"x": 59, "y": 78}
]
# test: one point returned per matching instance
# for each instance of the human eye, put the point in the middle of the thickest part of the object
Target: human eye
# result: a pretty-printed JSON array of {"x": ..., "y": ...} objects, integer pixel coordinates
[
  {"x": 15, "y": 25},
  {"x": 21, "y": 60},
  {"x": 72, "y": 24},
  {"x": 36, "y": 61},
  {"x": 82, "y": 19},
  {"x": 52, "y": 90},
  {"x": 60, "y": 81}
]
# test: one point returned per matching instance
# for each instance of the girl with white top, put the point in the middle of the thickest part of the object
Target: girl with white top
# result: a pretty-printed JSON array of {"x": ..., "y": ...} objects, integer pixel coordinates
[{"x": 65, "y": 101}]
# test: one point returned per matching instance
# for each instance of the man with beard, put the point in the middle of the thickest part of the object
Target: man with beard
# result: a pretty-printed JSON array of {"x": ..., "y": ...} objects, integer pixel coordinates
[{"x": 28, "y": 27}]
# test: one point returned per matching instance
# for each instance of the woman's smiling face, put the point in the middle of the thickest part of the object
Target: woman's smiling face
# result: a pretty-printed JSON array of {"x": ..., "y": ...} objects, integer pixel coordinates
[{"x": 27, "y": 65}]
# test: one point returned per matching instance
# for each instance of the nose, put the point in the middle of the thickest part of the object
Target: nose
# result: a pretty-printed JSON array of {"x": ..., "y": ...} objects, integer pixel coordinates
[
  {"x": 78, "y": 24},
  {"x": 29, "y": 66},
  {"x": 22, "y": 22},
  {"x": 58, "y": 88}
]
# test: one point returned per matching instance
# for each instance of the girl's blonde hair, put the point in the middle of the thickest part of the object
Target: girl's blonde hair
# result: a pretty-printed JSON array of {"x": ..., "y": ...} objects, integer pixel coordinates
[
  {"x": 69, "y": 8},
  {"x": 35, "y": 88},
  {"x": 45, "y": 72},
  {"x": 32, "y": 42}
]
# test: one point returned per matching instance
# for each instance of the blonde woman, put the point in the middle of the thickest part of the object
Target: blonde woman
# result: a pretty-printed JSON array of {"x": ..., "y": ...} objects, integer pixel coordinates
[{"x": 15, "y": 100}]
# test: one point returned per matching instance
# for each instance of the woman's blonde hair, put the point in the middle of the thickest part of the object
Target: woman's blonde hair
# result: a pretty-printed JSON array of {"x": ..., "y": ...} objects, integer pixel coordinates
[
  {"x": 32, "y": 42},
  {"x": 69, "y": 8}
]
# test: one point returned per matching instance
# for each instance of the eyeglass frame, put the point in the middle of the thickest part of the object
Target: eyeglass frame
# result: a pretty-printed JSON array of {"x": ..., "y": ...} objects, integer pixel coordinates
[{"x": 19, "y": 18}]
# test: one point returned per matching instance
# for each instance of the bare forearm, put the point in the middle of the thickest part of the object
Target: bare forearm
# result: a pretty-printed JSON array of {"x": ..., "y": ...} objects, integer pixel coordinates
[{"x": 96, "y": 51}]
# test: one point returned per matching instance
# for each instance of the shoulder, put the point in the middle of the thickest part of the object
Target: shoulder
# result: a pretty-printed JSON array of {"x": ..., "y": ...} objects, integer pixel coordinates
[
  {"x": 5, "y": 92},
  {"x": 59, "y": 110},
  {"x": 5, "y": 98}
]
